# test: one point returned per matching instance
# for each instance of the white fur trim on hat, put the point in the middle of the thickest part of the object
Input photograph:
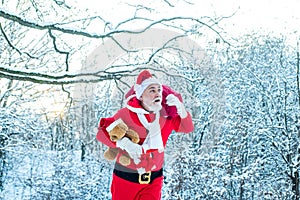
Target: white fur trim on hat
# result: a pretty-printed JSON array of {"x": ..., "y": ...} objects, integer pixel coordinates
[
  {"x": 114, "y": 124},
  {"x": 140, "y": 88}
]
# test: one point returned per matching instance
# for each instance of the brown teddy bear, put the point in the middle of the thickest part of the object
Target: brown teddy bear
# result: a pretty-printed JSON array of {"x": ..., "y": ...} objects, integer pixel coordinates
[{"x": 117, "y": 130}]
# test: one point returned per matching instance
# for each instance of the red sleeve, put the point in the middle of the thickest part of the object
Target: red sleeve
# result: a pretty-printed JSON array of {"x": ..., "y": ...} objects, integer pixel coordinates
[
  {"x": 102, "y": 134},
  {"x": 185, "y": 125}
]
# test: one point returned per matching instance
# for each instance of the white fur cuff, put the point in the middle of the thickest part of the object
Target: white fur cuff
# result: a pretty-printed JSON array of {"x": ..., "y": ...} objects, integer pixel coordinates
[{"x": 114, "y": 124}]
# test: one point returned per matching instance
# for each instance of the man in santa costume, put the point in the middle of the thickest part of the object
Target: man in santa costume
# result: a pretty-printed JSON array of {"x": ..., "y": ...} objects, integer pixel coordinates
[{"x": 142, "y": 179}]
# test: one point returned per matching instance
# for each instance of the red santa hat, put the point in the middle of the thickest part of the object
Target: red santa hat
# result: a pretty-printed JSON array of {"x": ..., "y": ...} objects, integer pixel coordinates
[{"x": 144, "y": 79}]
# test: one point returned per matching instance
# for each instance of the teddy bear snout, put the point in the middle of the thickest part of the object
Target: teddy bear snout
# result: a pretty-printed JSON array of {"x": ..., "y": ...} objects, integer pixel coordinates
[{"x": 113, "y": 138}]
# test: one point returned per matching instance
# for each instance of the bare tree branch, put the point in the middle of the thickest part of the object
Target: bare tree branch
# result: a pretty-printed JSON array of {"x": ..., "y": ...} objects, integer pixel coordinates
[
  {"x": 167, "y": 2},
  {"x": 62, "y": 3},
  {"x": 57, "y": 27},
  {"x": 57, "y": 80},
  {"x": 60, "y": 51},
  {"x": 13, "y": 46}
]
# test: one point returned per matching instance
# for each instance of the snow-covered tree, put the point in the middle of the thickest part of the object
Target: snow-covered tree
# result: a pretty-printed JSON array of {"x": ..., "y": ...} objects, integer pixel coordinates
[{"x": 262, "y": 134}]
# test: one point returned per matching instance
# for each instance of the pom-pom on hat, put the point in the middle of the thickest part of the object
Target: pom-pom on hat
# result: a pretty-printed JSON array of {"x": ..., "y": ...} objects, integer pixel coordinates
[{"x": 144, "y": 79}]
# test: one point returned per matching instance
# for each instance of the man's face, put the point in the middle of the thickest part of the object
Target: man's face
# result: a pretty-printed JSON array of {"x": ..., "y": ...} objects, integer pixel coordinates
[{"x": 152, "y": 97}]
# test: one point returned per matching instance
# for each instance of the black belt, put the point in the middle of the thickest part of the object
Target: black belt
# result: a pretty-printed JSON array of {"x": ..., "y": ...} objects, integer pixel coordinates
[{"x": 133, "y": 176}]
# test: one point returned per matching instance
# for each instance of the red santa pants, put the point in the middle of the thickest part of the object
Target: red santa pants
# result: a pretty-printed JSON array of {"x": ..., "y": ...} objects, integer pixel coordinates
[{"x": 122, "y": 189}]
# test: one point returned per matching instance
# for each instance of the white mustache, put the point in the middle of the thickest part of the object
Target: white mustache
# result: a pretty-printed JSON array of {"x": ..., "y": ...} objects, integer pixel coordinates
[{"x": 154, "y": 100}]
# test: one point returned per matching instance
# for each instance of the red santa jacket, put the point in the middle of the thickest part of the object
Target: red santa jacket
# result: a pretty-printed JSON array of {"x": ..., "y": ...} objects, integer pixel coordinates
[{"x": 150, "y": 160}]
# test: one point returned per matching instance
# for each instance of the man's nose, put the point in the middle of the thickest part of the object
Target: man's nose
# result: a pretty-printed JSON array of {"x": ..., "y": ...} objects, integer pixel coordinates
[{"x": 157, "y": 94}]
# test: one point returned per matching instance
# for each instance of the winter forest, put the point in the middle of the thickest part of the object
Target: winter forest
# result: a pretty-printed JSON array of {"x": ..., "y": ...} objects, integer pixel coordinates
[{"x": 65, "y": 64}]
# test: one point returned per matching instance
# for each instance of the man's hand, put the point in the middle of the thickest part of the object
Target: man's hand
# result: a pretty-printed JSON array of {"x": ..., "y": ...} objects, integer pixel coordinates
[
  {"x": 172, "y": 100},
  {"x": 134, "y": 150}
]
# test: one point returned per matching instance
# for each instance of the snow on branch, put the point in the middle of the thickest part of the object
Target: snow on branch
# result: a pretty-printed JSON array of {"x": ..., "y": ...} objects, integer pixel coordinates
[
  {"x": 56, "y": 26},
  {"x": 57, "y": 79}
]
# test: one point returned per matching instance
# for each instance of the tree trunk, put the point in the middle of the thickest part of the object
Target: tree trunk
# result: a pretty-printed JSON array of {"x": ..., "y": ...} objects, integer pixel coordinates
[
  {"x": 295, "y": 187},
  {"x": 298, "y": 73},
  {"x": 82, "y": 151},
  {"x": 2, "y": 162},
  {"x": 241, "y": 189}
]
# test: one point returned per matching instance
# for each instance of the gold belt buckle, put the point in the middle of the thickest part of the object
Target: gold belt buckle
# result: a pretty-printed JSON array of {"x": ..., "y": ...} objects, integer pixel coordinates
[{"x": 145, "y": 178}]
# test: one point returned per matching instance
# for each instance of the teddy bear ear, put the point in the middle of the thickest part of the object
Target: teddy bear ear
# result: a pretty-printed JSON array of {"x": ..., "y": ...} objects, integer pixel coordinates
[
  {"x": 114, "y": 124},
  {"x": 123, "y": 126}
]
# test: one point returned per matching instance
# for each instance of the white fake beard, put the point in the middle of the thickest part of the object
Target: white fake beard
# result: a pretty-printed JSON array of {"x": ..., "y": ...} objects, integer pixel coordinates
[{"x": 156, "y": 107}]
